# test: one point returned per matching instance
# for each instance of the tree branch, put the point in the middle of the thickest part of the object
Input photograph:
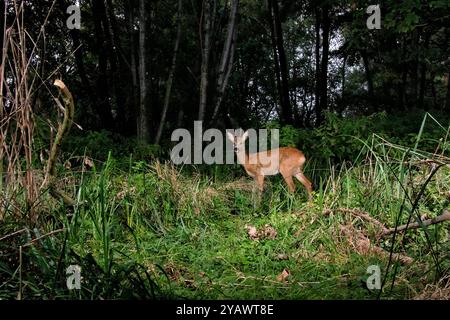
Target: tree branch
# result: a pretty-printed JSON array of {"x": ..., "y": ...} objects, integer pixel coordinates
[{"x": 63, "y": 129}]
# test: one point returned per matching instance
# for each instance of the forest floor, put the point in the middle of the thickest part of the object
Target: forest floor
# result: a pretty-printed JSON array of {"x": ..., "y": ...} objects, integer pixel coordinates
[
  {"x": 202, "y": 238},
  {"x": 148, "y": 230}
]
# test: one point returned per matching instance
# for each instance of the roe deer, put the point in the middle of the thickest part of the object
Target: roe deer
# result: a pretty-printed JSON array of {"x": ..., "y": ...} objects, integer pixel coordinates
[{"x": 287, "y": 161}]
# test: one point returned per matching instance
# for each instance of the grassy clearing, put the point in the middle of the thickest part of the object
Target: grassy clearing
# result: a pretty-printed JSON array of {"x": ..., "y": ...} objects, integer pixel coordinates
[{"x": 159, "y": 231}]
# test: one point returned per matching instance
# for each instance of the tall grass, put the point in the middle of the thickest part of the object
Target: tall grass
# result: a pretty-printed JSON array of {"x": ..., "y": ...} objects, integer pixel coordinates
[{"x": 156, "y": 231}]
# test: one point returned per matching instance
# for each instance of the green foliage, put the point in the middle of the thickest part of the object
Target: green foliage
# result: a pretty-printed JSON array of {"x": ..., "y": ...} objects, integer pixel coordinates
[
  {"x": 340, "y": 139},
  {"x": 97, "y": 144},
  {"x": 155, "y": 230}
]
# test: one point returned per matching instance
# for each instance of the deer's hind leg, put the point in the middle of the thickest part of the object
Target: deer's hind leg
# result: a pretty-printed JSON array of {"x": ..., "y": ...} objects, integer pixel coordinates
[
  {"x": 305, "y": 181},
  {"x": 290, "y": 183}
]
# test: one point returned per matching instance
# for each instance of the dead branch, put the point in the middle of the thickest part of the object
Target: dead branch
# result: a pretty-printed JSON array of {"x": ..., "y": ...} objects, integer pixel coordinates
[
  {"x": 43, "y": 236},
  {"x": 13, "y": 234},
  {"x": 383, "y": 230},
  {"x": 445, "y": 216},
  {"x": 444, "y": 161},
  {"x": 361, "y": 214},
  {"x": 63, "y": 129},
  {"x": 362, "y": 245}
]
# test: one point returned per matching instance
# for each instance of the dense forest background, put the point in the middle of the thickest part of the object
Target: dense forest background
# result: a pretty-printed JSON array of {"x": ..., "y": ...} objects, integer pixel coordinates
[
  {"x": 87, "y": 111},
  {"x": 144, "y": 68}
]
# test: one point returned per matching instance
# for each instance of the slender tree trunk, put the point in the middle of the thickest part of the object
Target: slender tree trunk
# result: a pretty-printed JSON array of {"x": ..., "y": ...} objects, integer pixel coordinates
[
  {"x": 402, "y": 91},
  {"x": 342, "y": 102},
  {"x": 447, "y": 96},
  {"x": 2, "y": 70},
  {"x": 3, "y": 24},
  {"x": 2, "y": 27},
  {"x": 143, "y": 131},
  {"x": 276, "y": 59},
  {"x": 423, "y": 74},
  {"x": 180, "y": 117},
  {"x": 122, "y": 67},
  {"x": 433, "y": 90},
  {"x": 323, "y": 81},
  {"x": 287, "y": 110},
  {"x": 319, "y": 115},
  {"x": 404, "y": 77},
  {"x": 369, "y": 79},
  {"x": 226, "y": 62},
  {"x": 344, "y": 65},
  {"x": 103, "y": 107},
  {"x": 171, "y": 74},
  {"x": 133, "y": 96},
  {"x": 207, "y": 32},
  {"x": 447, "y": 64},
  {"x": 415, "y": 68},
  {"x": 78, "y": 51}
]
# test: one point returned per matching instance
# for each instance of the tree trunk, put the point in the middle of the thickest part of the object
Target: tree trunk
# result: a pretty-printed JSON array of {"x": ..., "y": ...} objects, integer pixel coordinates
[
  {"x": 207, "y": 32},
  {"x": 433, "y": 90},
  {"x": 78, "y": 51},
  {"x": 2, "y": 27},
  {"x": 117, "y": 73},
  {"x": 319, "y": 115},
  {"x": 414, "y": 65},
  {"x": 276, "y": 60},
  {"x": 323, "y": 80},
  {"x": 287, "y": 111},
  {"x": 226, "y": 63},
  {"x": 447, "y": 96},
  {"x": 344, "y": 64},
  {"x": 369, "y": 79},
  {"x": 423, "y": 74},
  {"x": 103, "y": 107},
  {"x": 170, "y": 77},
  {"x": 3, "y": 24},
  {"x": 143, "y": 131},
  {"x": 133, "y": 96},
  {"x": 342, "y": 103},
  {"x": 404, "y": 77},
  {"x": 280, "y": 62},
  {"x": 402, "y": 91}
]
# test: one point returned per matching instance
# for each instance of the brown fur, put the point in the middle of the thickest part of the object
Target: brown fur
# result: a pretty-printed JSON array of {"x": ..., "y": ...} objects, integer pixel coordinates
[{"x": 291, "y": 162}]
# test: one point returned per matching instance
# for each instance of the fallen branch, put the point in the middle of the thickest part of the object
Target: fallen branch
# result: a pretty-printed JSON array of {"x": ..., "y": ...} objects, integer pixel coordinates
[
  {"x": 13, "y": 234},
  {"x": 41, "y": 237},
  {"x": 361, "y": 214},
  {"x": 383, "y": 230},
  {"x": 445, "y": 216},
  {"x": 362, "y": 245}
]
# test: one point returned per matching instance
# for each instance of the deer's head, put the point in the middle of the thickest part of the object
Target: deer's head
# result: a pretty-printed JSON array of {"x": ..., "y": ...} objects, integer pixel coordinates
[{"x": 238, "y": 140}]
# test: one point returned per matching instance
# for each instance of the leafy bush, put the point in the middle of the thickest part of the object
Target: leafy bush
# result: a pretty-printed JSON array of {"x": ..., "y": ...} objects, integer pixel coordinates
[
  {"x": 340, "y": 139},
  {"x": 97, "y": 144}
]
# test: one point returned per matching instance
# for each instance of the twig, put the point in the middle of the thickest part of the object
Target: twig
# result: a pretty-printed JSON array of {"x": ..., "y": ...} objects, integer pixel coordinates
[
  {"x": 445, "y": 216},
  {"x": 361, "y": 214},
  {"x": 43, "y": 236},
  {"x": 384, "y": 231},
  {"x": 12, "y": 234}
]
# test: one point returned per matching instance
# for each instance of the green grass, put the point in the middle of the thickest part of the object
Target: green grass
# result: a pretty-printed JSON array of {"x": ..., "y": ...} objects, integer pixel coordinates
[{"x": 157, "y": 231}]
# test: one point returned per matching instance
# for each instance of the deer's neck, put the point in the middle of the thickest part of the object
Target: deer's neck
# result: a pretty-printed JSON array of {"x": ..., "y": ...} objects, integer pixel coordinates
[{"x": 242, "y": 157}]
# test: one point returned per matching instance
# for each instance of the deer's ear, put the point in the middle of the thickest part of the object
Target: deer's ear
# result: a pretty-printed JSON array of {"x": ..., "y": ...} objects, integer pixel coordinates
[
  {"x": 245, "y": 135},
  {"x": 230, "y": 136}
]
